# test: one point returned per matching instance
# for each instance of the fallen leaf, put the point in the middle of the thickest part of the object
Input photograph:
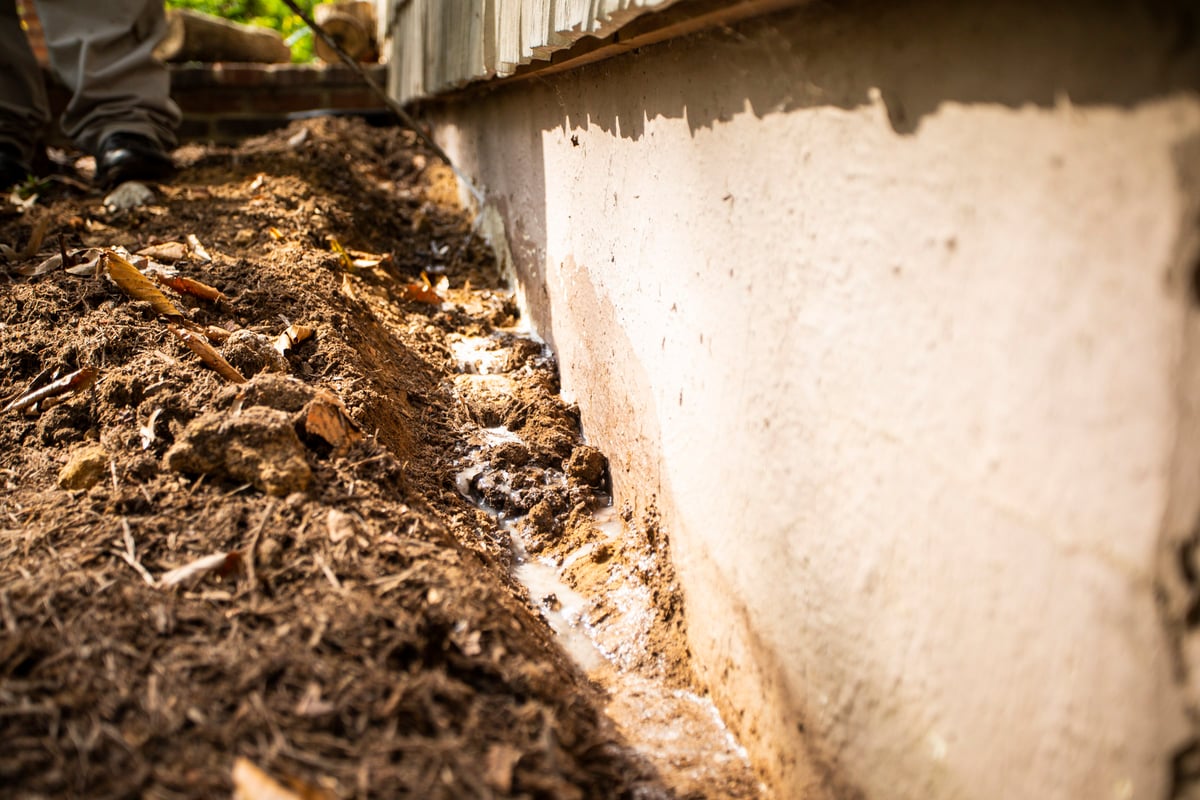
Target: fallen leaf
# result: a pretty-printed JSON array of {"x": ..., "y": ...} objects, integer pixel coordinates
[
  {"x": 22, "y": 203},
  {"x": 88, "y": 265},
  {"x": 196, "y": 248},
  {"x": 208, "y": 355},
  {"x": 137, "y": 285},
  {"x": 420, "y": 293},
  {"x": 297, "y": 139},
  {"x": 214, "y": 334},
  {"x": 252, "y": 783},
  {"x": 54, "y": 393},
  {"x": 327, "y": 418},
  {"x": 165, "y": 251},
  {"x": 294, "y": 335},
  {"x": 220, "y": 563},
  {"x": 147, "y": 430},
  {"x": 190, "y": 286},
  {"x": 49, "y": 265}
]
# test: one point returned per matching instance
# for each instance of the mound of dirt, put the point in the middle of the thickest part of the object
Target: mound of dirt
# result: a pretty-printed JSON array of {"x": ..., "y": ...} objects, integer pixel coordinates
[{"x": 195, "y": 569}]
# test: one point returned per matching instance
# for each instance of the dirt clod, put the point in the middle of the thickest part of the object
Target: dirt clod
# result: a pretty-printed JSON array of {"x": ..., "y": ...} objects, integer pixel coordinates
[
  {"x": 253, "y": 353},
  {"x": 84, "y": 468},
  {"x": 258, "y": 446},
  {"x": 271, "y": 390},
  {"x": 586, "y": 466}
]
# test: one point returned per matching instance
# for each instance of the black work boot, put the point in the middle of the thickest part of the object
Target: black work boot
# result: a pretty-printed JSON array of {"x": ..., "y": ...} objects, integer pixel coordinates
[
  {"x": 131, "y": 157},
  {"x": 12, "y": 169}
]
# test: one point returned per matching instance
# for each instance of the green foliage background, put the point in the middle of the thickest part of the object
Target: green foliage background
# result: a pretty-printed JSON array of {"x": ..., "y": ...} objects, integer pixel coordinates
[{"x": 268, "y": 13}]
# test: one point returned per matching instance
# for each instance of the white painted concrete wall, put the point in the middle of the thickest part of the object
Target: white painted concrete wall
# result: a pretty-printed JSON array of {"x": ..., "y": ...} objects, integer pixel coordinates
[{"x": 887, "y": 307}]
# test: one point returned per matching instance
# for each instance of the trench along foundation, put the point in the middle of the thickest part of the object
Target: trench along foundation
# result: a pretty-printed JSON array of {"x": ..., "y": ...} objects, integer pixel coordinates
[{"x": 595, "y": 580}]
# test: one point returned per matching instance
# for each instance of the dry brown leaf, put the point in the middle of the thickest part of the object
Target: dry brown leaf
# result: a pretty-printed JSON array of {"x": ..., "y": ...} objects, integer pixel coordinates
[
  {"x": 214, "y": 334},
  {"x": 88, "y": 261},
  {"x": 165, "y": 251},
  {"x": 49, "y": 265},
  {"x": 294, "y": 335},
  {"x": 137, "y": 285},
  {"x": 190, "y": 286},
  {"x": 252, "y": 783},
  {"x": 420, "y": 293},
  {"x": 327, "y": 418},
  {"x": 54, "y": 393},
  {"x": 208, "y": 355},
  {"x": 220, "y": 563}
]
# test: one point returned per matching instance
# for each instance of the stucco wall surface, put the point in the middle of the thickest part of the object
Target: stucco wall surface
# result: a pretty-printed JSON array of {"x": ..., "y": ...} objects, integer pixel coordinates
[{"x": 888, "y": 307}]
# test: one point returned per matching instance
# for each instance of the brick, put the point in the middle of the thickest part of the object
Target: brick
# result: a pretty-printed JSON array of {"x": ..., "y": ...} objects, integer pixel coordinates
[
  {"x": 227, "y": 129},
  {"x": 354, "y": 98},
  {"x": 284, "y": 102},
  {"x": 195, "y": 129}
]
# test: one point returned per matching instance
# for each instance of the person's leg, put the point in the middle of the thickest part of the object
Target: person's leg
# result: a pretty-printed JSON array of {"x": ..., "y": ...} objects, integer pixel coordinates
[
  {"x": 104, "y": 51},
  {"x": 24, "y": 110}
]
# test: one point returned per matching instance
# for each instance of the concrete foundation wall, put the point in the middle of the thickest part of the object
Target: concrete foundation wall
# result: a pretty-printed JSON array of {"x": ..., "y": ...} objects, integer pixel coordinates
[{"x": 889, "y": 308}]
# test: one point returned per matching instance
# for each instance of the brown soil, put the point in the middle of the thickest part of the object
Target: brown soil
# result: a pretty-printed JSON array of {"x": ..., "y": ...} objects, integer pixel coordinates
[{"x": 361, "y": 630}]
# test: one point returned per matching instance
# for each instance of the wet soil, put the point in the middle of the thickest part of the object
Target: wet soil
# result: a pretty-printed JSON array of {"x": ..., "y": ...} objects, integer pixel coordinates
[{"x": 350, "y": 620}]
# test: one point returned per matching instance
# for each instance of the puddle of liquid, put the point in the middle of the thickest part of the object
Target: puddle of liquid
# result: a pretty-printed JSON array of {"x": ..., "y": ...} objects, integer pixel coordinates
[{"x": 563, "y": 608}]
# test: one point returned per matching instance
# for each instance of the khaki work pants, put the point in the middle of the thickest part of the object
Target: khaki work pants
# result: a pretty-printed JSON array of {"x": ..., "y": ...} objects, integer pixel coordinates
[{"x": 102, "y": 50}]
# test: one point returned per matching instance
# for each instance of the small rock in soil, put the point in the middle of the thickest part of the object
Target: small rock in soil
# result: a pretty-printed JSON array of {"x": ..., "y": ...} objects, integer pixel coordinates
[
  {"x": 128, "y": 196},
  {"x": 84, "y": 468},
  {"x": 257, "y": 446}
]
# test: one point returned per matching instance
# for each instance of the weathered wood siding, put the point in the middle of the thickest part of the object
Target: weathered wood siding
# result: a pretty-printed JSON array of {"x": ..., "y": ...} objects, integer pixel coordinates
[{"x": 443, "y": 44}]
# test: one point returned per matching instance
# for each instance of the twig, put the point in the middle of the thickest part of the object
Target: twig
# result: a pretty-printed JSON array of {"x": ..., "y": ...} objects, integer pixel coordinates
[
  {"x": 77, "y": 381},
  {"x": 320, "y": 562},
  {"x": 248, "y": 553},
  {"x": 10, "y": 619},
  {"x": 129, "y": 555},
  {"x": 377, "y": 457}
]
